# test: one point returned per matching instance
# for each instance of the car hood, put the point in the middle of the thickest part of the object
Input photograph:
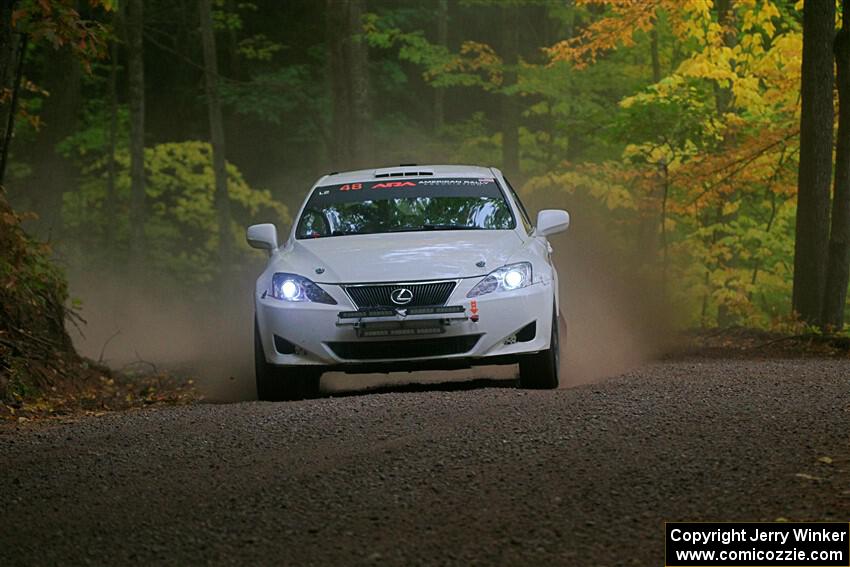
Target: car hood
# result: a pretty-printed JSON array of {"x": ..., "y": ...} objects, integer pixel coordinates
[{"x": 401, "y": 256}]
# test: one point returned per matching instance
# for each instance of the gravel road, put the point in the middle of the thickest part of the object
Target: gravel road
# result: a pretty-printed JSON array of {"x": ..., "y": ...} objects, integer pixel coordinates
[{"x": 458, "y": 474}]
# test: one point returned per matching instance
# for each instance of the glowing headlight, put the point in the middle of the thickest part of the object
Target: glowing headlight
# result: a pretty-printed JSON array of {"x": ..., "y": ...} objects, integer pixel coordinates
[
  {"x": 289, "y": 289},
  {"x": 292, "y": 287},
  {"x": 506, "y": 278},
  {"x": 513, "y": 279}
]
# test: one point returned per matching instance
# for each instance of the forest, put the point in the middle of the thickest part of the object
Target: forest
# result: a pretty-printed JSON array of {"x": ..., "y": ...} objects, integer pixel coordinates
[
  {"x": 155, "y": 409},
  {"x": 140, "y": 138}
]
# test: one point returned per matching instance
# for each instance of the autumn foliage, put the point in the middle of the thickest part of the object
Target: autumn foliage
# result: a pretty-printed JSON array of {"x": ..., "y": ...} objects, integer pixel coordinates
[{"x": 34, "y": 346}]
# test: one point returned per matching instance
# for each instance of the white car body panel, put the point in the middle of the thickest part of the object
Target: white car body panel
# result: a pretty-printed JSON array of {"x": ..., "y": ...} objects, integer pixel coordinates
[
  {"x": 402, "y": 256},
  {"x": 409, "y": 257}
]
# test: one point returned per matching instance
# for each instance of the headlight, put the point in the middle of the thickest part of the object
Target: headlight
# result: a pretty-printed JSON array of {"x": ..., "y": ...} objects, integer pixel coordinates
[
  {"x": 506, "y": 278},
  {"x": 291, "y": 287}
]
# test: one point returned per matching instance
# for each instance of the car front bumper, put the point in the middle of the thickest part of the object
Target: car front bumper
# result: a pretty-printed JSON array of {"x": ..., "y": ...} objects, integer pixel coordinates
[{"x": 317, "y": 331}]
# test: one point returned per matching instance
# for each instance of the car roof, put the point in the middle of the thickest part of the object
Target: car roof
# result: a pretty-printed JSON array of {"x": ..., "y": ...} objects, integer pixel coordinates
[{"x": 405, "y": 171}]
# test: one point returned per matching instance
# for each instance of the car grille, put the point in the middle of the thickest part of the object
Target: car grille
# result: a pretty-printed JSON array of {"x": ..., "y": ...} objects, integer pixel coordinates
[
  {"x": 416, "y": 348},
  {"x": 425, "y": 294}
]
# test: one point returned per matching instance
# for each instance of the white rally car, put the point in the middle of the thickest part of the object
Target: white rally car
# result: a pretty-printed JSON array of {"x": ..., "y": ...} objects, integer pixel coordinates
[{"x": 402, "y": 269}]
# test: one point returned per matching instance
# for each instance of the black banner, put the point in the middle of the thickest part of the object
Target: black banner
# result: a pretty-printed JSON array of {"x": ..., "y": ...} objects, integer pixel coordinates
[{"x": 757, "y": 544}]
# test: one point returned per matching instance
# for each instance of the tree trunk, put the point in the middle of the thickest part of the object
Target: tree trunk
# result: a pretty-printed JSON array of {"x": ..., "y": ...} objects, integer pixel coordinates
[
  {"x": 351, "y": 100},
  {"x": 136, "y": 102},
  {"x": 12, "y": 61},
  {"x": 656, "y": 58},
  {"x": 361, "y": 102},
  {"x": 723, "y": 103},
  {"x": 443, "y": 41},
  {"x": 7, "y": 42},
  {"x": 838, "y": 264},
  {"x": 110, "y": 204},
  {"x": 222, "y": 198},
  {"x": 336, "y": 23},
  {"x": 233, "y": 66},
  {"x": 53, "y": 173},
  {"x": 665, "y": 260},
  {"x": 8, "y": 59},
  {"x": 509, "y": 107},
  {"x": 726, "y": 19},
  {"x": 816, "y": 122}
]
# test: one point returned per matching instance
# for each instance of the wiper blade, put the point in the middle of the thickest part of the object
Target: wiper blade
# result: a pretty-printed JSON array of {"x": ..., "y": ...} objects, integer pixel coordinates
[
  {"x": 405, "y": 229},
  {"x": 425, "y": 227},
  {"x": 348, "y": 232},
  {"x": 450, "y": 227}
]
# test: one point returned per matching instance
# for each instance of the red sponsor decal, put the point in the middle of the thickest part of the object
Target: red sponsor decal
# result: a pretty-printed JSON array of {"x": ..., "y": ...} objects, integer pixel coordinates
[
  {"x": 390, "y": 184},
  {"x": 473, "y": 307}
]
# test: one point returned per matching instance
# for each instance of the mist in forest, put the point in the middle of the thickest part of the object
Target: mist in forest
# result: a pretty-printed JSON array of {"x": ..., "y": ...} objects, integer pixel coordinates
[
  {"x": 148, "y": 325},
  {"x": 303, "y": 89}
]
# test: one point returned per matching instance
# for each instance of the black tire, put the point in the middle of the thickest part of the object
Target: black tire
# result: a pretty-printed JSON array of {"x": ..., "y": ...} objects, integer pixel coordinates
[
  {"x": 282, "y": 383},
  {"x": 540, "y": 371}
]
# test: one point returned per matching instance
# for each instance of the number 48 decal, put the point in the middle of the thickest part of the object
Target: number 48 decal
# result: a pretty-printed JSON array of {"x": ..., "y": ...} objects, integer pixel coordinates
[{"x": 385, "y": 185}]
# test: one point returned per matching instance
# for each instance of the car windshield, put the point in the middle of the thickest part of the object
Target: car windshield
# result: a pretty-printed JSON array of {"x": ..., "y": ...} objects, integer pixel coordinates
[{"x": 405, "y": 205}]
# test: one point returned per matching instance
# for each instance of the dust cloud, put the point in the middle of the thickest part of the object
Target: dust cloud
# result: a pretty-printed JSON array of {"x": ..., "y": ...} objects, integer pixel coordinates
[
  {"x": 156, "y": 327},
  {"x": 611, "y": 298},
  {"x": 612, "y": 325},
  {"x": 615, "y": 321}
]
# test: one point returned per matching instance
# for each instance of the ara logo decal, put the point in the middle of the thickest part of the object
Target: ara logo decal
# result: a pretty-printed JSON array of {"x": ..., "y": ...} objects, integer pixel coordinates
[{"x": 391, "y": 184}]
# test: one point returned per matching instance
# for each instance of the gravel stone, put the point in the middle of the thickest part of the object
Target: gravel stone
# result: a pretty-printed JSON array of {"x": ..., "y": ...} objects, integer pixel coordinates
[{"x": 578, "y": 476}]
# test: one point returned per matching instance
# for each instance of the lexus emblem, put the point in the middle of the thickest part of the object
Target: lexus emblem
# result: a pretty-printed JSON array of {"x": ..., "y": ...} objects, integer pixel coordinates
[{"x": 401, "y": 296}]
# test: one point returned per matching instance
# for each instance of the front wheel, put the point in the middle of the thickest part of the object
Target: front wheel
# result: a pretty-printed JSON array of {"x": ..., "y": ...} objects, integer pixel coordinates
[
  {"x": 540, "y": 371},
  {"x": 282, "y": 383}
]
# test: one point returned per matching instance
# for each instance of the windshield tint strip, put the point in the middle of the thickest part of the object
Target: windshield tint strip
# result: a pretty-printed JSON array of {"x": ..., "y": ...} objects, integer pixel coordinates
[{"x": 407, "y": 205}]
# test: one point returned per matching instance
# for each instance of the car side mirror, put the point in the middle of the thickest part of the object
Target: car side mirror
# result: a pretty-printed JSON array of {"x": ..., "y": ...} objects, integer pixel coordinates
[
  {"x": 262, "y": 236},
  {"x": 552, "y": 221}
]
